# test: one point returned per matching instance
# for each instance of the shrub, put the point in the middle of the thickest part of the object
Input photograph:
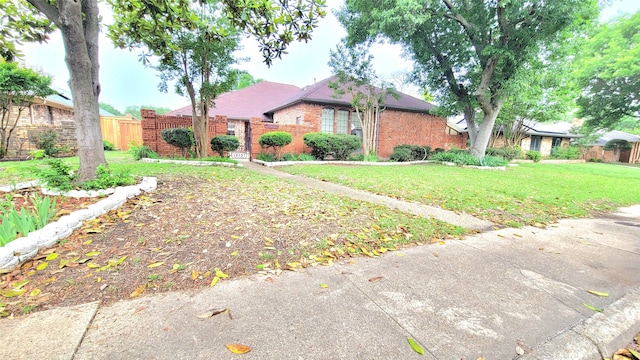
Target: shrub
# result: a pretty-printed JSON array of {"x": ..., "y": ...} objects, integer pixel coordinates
[
  {"x": 372, "y": 157},
  {"x": 266, "y": 157},
  {"x": 142, "y": 151},
  {"x": 108, "y": 145},
  {"x": 416, "y": 153},
  {"x": 224, "y": 143},
  {"x": 401, "y": 154},
  {"x": 507, "y": 152},
  {"x": 45, "y": 140},
  {"x": 339, "y": 146},
  {"x": 571, "y": 152},
  {"x": 534, "y": 155},
  {"x": 305, "y": 157},
  {"x": 181, "y": 138},
  {"x": 275, "y": 140},
  {"x": 106, "y": 179},
  {"x": 289, "y": 157},
  {"x": 57, "y": 176},
  {"x": 493, "y": 161}
]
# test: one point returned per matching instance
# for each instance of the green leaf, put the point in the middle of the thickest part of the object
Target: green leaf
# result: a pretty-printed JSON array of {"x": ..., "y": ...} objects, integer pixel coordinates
[
  {"x": 591, "y": 307},
  {"x": 415, "y": 346},
  {"x": 634, "y": 353},
  {"x": 11, "y": 293},
  {"x": 598, "y": 293}
]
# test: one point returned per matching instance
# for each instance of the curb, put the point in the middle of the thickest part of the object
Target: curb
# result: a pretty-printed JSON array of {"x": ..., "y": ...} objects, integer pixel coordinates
[{"x": 597, "y": 337}]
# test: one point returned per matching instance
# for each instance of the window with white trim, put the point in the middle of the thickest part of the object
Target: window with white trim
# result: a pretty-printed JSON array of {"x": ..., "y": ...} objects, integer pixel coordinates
[
  {"x": 327, "y": 120},
  {"x": 231, "y": 128},
  {"x": 343, "y": 121}
]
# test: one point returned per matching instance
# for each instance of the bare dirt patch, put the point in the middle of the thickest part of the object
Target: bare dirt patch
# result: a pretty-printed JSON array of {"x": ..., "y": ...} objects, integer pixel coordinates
[{"x": 193, "y": 232}]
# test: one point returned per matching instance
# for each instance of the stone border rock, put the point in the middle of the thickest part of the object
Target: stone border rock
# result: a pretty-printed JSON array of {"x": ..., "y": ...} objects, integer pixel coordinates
[
  {"x": 24, "y": 248},
  {"x": 190, "y": 162},
  {"x": 370, "y": 163},
  {"x": 334, "y": 162}
]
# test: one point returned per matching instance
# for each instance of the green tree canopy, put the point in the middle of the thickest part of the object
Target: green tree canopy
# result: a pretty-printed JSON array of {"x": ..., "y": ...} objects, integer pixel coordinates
[
  {"x": 110, "y": 108},
  {"x": 18, "y": 24},
  {"x": 134, "y": 110},
  {"x": 244, "y": 79},
  {"x": 608, "y": 73},
  {"x": 467, "y": 51}
]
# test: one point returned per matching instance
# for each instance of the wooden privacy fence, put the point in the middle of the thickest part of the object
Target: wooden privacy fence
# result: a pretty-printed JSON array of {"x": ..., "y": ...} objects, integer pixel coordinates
[{"x": 121, "y": 130}]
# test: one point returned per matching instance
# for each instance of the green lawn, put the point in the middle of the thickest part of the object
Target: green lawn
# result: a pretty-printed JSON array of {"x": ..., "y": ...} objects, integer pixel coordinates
[{"x": 527, "y": 194}]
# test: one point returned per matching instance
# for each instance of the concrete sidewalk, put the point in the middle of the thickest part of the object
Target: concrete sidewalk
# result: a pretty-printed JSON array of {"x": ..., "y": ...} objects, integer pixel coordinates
[{"x": 496, "y": 294}]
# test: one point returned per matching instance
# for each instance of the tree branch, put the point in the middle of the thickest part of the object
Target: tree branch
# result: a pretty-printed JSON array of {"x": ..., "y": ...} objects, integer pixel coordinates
[{"x": 47, "y": 9}]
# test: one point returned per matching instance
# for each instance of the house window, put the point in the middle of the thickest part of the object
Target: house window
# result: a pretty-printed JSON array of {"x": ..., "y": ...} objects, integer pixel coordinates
[
  {"x": 343, "y": 122},
  {"x": 355, "y": 122},
  {"x": 557, "y": 142},
  {"x": 327, "y": 120},
  {"x": 299, "y": 120},
  {"x": 535, "y": 143},
  {"x": 231, "y": 128}
]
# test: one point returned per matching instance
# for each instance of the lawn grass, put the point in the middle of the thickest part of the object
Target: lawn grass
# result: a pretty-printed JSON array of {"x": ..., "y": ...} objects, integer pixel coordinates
[
  {"x": 378, "y": 228},
  {"x": 527, "y": 194}
]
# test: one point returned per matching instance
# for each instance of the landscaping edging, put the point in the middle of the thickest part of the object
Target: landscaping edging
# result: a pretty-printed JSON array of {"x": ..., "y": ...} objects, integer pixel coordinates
[
  {"x": 190, "y": 162},
  {"x": 24, "y": 248},
  {"x": 336, "y": 162},
  {"x": 371, "y": 163}
]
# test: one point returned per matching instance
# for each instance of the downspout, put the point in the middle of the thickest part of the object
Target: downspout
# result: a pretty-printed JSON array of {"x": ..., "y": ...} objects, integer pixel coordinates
[{"x": 378, "y": 130}]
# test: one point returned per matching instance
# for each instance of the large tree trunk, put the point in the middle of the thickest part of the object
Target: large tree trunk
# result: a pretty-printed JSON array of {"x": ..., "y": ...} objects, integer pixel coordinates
[
  {"x": 78, "y": 23},
  {"x": 485, "y": 129},
  {"x": 200, "y": 130}
]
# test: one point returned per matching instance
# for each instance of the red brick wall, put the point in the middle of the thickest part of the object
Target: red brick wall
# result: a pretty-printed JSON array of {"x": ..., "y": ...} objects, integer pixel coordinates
[
  {"x": 297, "y": 146},
  {"x": 400, "y": 127},
  {"x": 153, "y": 124}
]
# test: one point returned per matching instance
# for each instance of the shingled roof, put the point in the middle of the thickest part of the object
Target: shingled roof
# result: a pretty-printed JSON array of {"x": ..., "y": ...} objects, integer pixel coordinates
[
  {"x": 243, "y": 104},
  {"x": 321, "y": 93},
  {"x": 265, "y": 98}
]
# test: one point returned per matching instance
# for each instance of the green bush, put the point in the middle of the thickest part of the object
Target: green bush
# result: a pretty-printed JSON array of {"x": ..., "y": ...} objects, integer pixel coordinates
[
  {"x": 306, "y": 157},
  {"x": 108, "y": 145},
  {"x": 339, "y": 146},
  {"x": 507, "y": 152},
  {"x": 464, "y": 158},
  {"x": 45, "y": 140},
  {"x": 266, "y": 157},
  {"x": 182, "y": 138},
  {"x": 534, "y": 155},
  {"x": 289, "y": 157},
  {"x": 224, "y": 143},
  {"x": 142, "y": 151},
  {"x": 106, "y": 179},
  {"x": 417, "y": 152},
  {"x": 570, "y": 153},
  {"x": 275, "y": 139},
  {"x": 14, "y": 223},
  {"x": 57, "y": 176},
  {"x": 401, "y": 154}
]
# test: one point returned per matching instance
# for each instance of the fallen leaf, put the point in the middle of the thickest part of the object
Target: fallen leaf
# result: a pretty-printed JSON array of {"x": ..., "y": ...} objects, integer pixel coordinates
[
  {"x": 324, "y": 286},
  {"x": 156, "y": 264},
  {"x": 634, "y": 353},
  {"x": 598, "y": 293},
  {"x": 63, "y": 263},
  {"x": 139, "y": 291},
  {"x": 415, "y": 346},
  {"x": 34, "y": 292},
  {"x": 214, "y": 281},
  {"x": 8, "y": 293},
  {"x": 591, "y": 307},
  {"x": 92, "y": 253},
  {"x": 20, "y": 284},
  {"x": 92, "y": 265},
  {"x": 42, "y": 266},
  {"x": 88, "y": 242},
  {"x": 376, "y": 278},
  {"x": 51, "y": 256},
  {"x": 235, "y": 253},
  {"x": 238, "y": 348},
  {"x": 211, "y": 313}
]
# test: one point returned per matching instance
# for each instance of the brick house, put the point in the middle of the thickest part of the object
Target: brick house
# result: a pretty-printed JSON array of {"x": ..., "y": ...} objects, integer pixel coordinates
[
  {"x": 627, "y": 155},
  {"x": 268, "y": 106},
  {"x": 53, "y": 112}
]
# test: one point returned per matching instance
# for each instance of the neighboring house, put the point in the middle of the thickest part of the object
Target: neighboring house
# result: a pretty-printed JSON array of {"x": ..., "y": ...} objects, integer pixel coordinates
[
  {"x": 628, "y": 154},
  {"x": 55, "y": 112},
  {"x": 532, "y": 136},
  {"x": 405, "y": 120},
  {"x": 544, "y": 137}
]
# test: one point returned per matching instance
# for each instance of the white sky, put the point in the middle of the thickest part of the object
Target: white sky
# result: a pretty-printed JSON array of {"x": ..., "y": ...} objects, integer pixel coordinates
[{"x": 125, "y": 81}]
